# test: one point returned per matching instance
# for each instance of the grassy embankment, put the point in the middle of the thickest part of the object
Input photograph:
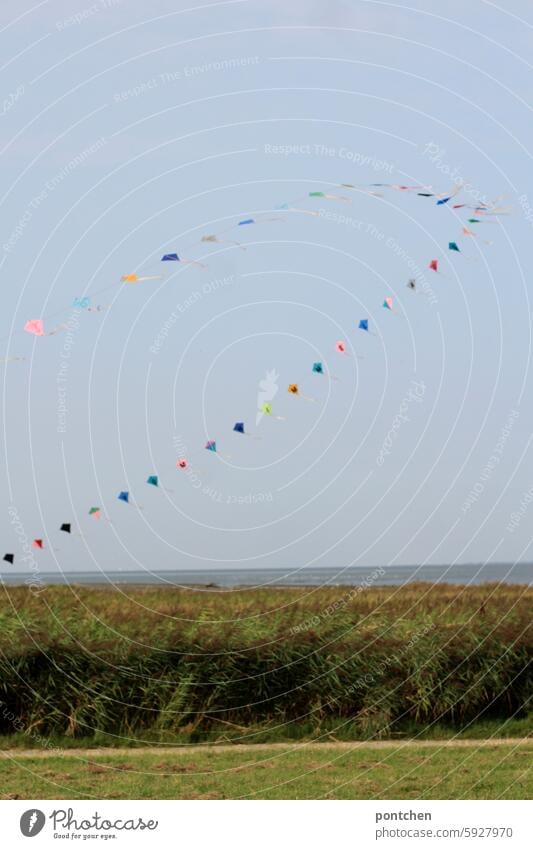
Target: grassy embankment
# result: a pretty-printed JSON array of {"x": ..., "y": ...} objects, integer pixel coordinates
[{"x": 109, "y": 667}]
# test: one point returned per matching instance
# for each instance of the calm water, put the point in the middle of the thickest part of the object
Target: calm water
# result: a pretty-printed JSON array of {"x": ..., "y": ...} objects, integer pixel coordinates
[{"x": 521, "y": 573}]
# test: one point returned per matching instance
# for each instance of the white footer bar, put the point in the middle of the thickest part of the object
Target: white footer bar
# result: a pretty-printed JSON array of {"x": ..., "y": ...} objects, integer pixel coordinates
[{"x": 267, "y": 825}]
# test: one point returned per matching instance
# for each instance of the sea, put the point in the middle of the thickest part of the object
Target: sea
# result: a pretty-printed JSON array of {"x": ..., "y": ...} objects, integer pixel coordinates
[{"x": 507, "y": 573}]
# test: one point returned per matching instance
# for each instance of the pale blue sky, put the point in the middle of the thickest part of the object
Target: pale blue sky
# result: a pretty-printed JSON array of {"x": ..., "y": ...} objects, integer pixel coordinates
[{"x": 175, "y": 146}]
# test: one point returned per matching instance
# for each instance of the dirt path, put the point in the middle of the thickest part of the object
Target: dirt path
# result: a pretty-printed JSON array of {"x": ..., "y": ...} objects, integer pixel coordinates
[{"x": 515, "y": 742}]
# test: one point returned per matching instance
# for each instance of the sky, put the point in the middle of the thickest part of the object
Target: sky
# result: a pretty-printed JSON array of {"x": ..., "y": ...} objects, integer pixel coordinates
[{"x": 130, "y": 130}]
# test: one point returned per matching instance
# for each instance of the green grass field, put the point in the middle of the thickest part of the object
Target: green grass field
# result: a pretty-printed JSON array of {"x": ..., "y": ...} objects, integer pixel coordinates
[{"x": 314, "y": 772}]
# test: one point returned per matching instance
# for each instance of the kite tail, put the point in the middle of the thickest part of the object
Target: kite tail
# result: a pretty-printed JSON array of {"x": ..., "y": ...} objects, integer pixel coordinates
[
  {"x": 56, "y": 330},
  {"x": 305, "y": 211},
  {"x": 194, "y": 262},
  {"x": 99, "y": 308},
  {"x": 337, "y": 197}
]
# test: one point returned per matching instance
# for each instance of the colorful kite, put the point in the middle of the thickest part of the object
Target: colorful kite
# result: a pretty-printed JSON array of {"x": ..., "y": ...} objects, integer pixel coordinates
[
  {"x": 211, "y": 445},
  {"x": 134, "y": 278},
  {"x": 294, "y": 389},
  {"x": 94, "y": 511},
  {"x": 387, "y": 303},
  {"x": 153, "y": 480},
  {"x": 266, "y": 409},
  {"x": 363, "y": 189},
  {"x": 125, "y": 496},
  {"x": 403, "y": 188},
  {"x": 318, "y": 368},
  {"x": 35, "y": 326},
  {"x": 328, "y": 197},
  {"x": 172, "y": 258},
  {"x": 9, "y": 558},
  {"x": 467, "y": 232},
  {"x": 212, "y": 238}
]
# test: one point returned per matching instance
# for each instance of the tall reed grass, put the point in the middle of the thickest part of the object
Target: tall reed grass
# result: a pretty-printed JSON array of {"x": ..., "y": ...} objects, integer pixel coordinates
[{"x": 77, "y": 661}]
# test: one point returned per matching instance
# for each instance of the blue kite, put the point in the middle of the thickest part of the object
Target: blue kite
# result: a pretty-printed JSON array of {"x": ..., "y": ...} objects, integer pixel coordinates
[
  {"x": 124, "y": 496},
  {"x": 81, "y": 303},
  {"x": 170, "y": 258},
  {"x": 363, "y": 324}
]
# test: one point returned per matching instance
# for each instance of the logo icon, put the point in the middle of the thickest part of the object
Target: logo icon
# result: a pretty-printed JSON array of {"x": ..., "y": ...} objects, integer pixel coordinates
[
  {"x": 268, "y": 388},
  {"x": 32, "y": 822}
]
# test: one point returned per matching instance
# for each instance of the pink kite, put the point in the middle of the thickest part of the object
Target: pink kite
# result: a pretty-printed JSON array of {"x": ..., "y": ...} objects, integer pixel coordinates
[
  {"x": 37, "y": 543},
  {"x": 434, "y": 265},
  {"x": 387, "y": 303},
  {"x": 468, "y": 232},
  {"x": 35, "y": 326},
  {"x": 340, "y": 346},
  {"x": 182, "y": 464}
]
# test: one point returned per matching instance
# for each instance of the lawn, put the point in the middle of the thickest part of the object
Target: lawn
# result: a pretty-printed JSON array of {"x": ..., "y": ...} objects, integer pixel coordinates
[{"x": 304, "y": 772}]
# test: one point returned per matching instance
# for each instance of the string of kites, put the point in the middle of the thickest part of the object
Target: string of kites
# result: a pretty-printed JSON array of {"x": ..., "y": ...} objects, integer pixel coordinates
[{"x": 36, "y": 326}]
